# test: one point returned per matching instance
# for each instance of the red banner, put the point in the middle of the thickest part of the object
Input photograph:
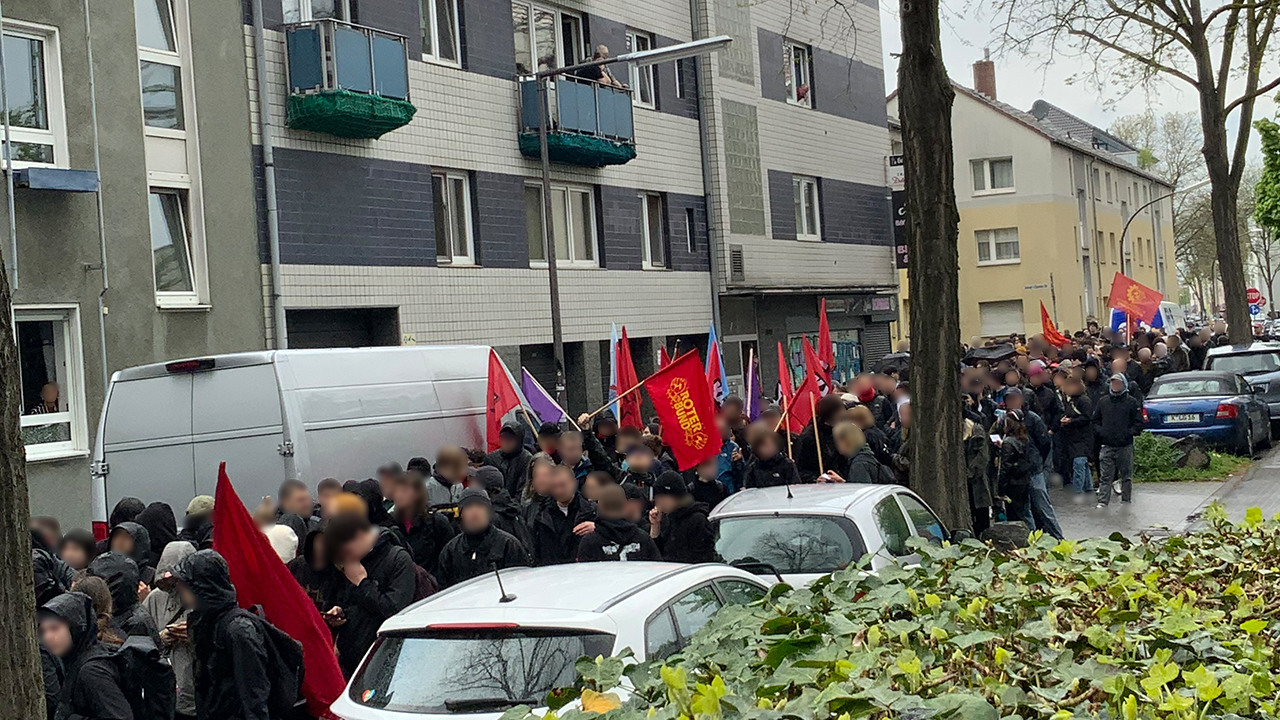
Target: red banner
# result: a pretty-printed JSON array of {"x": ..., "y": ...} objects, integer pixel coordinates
[
  {"x": 628, "y": 407},
  {"x": 826, "y": 351},
  {"x": 1050, "y": 330},
  {"x": 502, "y": 400},
  {"x": 813, "y": 366},
  {"x": 682, "y": 399},
  {"x": 803, "y": 402},
  {"x": 1134, "y": 298},
  {"x": 785, "y": 388},
  {"x": 663, "y": 358}
]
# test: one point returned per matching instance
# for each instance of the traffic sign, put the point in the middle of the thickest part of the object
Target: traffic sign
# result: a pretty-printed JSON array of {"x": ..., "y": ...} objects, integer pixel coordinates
[
  {"x": 1261, "y": 301},
  {"x": 1255, "y": 310},
  {"x": 1252, "y": 296}
]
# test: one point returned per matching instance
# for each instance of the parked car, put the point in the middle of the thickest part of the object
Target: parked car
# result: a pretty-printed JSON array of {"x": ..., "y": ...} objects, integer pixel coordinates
[
  {"x": 482, "y": 647},
  {"x": 1258, "y": 362},
  {"x": 1217, "y": 405},
  {"x": 806, "y": 531},
  {"x": 281, "y": 414}
]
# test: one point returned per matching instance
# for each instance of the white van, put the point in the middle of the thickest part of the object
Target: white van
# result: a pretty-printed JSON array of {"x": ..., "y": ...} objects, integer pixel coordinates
[{"x": 272, "y": 415}]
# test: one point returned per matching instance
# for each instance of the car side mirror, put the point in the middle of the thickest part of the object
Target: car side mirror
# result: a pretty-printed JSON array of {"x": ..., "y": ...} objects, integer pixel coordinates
[{"x": 959, "y": 536}]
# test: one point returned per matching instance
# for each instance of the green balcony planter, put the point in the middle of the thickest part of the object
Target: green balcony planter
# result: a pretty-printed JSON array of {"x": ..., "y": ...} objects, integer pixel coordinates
[
  {"x": 348, "y": 114},
  {"x": 582, "y": 150}
]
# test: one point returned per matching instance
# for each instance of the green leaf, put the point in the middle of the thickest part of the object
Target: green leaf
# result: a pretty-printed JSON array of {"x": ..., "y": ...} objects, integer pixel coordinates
[
  {"x": 1253, "y": 627},
  {"x": 976, "y": 637}
]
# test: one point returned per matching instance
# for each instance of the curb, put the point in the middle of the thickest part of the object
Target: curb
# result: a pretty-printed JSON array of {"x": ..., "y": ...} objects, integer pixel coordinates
[{"x": 1228, "y": 486}]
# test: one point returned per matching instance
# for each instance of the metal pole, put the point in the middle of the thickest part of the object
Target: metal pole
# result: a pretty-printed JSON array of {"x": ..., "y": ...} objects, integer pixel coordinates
[
  {"x": 1053, "y": 297},
  {"x": 102, "y": 218},
  {"x": 281, "y": 334},
  {"x": 1124, "y": 232},
  {"x": 553, "y": 277},
  {"x": 702, "y": 75},
  {"x": 8, "y": 163}
]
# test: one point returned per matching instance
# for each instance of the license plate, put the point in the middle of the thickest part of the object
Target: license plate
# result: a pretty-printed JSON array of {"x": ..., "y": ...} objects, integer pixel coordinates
[{"x": 1182, "y": 418}]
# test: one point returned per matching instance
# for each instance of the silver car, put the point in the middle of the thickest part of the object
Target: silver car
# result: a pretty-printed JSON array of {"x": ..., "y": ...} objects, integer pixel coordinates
[{"x": 1259, "y": 363}]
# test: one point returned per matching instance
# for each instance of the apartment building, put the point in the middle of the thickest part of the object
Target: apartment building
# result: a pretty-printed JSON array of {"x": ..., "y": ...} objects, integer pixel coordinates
[
  {"x": 135, "y": 236},
  {"x": 410, "y": 209},
  {"x": 1044, "y": 199}
]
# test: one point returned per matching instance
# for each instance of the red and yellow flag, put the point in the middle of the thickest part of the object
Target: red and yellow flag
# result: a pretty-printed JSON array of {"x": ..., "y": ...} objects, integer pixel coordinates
[
  {"x": 1134, "y": 298},
  {"x": 1050, "y": 330},
  {"x": 682, "y": 399}
]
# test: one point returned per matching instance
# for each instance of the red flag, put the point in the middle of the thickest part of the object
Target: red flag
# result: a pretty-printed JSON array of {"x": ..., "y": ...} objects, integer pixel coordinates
[
  {"x": 261, "y": 579},
  {"x": 785, "y": 388},
  {"x": 826, "y": 351},
  {"x": 803, "y": 402},
  {"x": 629, "y": 406},
  {"x": 813, "y": 366},
  {"x": 502, "y": 400},
  {"x": 663, "y": 358},
  {"x": 1134, "y": 298},
  {"x": 682, "y": 398},
  {"x": 714, "y": 372},
  {"x": 1050, "y": 330}
]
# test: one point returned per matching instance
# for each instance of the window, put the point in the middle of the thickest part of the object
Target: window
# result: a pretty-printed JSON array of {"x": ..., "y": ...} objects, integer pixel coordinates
[
  {"x": 1110, "y": 189},
  {"x": 1151, "y": 252},
  {"x": 51, "y": 380},
  {"x": 681, "y": 73},
  {"x": 790, "y": 543},
  {"x": 660, "y": 636},
  {"x": 740, "y": 592},
  {"x": 690, "y": 225},
  {"x": 1097, "y": 185},
  {"x": 927, "y": 525},
  {"x": 37, "y": 125},
  {"x": 641, "y": 77},
  {"x": 893, "y": 526},
  {"x": 171, "y": 243},
  {"x": 998, "y": 247},
  {"x": 992, "y": 176},
  {"x": 653, "y": 229},
  {"x": 440, "y": 30},
  {"x": 455, "y": 242},
  {"x": 1115, "y": 253},
  {"x": 163, "y": 105},
  {"x": 694, "y": 609},
  {"x": 304, "y": 10},
  {"x": 808, "y": 215},
  {"x": 573, "y": 224},
  {"x": 1138, "y": 241},
  {"x": 1001, "y": 318},
  {"x": 1102, "y": 248},
  {"x": 1146, "y": 198},
  {"x": 554, "y": 35},
  {"x": 799, "y": 71}
]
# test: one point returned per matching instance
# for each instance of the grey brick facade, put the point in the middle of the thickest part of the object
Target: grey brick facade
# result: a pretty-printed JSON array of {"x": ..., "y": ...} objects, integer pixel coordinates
[
  {"x": 501, "y": 238},
  {"x": 854, "y": 213},
  {"x": 782, "y": 214}
]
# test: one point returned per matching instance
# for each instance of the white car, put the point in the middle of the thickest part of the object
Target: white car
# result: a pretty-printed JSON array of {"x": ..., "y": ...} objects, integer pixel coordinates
[
  {"x": 474, "y": 651},
  {"x": 806, "y": 531}
]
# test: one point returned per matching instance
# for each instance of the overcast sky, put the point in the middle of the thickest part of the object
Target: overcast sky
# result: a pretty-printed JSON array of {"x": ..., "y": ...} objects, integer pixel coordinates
[{"x": 1020, "y": 81}]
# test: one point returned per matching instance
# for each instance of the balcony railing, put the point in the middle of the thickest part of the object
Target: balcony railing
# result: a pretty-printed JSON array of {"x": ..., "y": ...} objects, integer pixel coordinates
[
  {"x": 591, "y": 123},
  {"x": 346, "y": 80}
]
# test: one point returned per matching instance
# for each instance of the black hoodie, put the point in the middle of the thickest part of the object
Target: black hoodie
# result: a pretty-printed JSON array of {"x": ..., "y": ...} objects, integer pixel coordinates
[
  {"x": 161, "y": 527},
  {"x": 514, "y": 466},
  {"x": 388, "y": 588},
  {"x": 470, "y": 555},
  {"x": 807, "y": 451},
  {"x": 233, "y": 677},
  {"x": 554, "y": 542},
  {"x": 617, "y": 539},
  {"x": 425, "y": 536},
  {"x": 51, "y": 575},
  {"x": 141, "y": 554},
  {"x": 509, "y": 518},
  {"x": 775, "y": 471},
  {"x": 128, "y": 615},
  {"x": 90, "y": 679},
  {"x": 687, "y": 535},
  {"x": 318, "y": 584}
]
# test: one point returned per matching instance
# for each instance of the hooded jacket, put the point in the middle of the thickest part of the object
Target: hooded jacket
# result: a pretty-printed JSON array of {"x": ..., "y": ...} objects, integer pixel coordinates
[
  {"x": 50, "y": 575},
  {"x": 1045, "y": 400},
  {"x": 165, "y": 609},
  {"x": 441, "y": 492},
  {"x": 687, "y": 535},
  {"x": 317, "y": 582},
  {"x": 470, "y": 555},
  {"x": 125, "y": 511},
  {"x": 807, "y": 451},
  {"x": 128, "y": 616},
  {"x": 977, "y": 458},
  {"x": 1077, "y": 433},
  {"x": 553, "y": 540},
  {"x": 91, "y": 683},
  {"x": 141, "y": 554},
  {"x": 771, "y": 472},
  {"x": 425, "y": 535},
  {"x": 712, "y": 492},
  {"x": 161, "y": 527},
  {"x": 617, "y": 540},
  {"x": 1117, "y": 417},
  {"x": 514, "y": 466},
  {"x": 232, "y": 677},
  {"x": 387, "y": 589},
  {"x": 863, "y": 467},
  {"x": 507, "y": 517}
]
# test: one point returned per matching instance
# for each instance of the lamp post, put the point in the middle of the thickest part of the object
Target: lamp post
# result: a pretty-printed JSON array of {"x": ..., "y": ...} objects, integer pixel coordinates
[
  {"x": 1124, "y": 233},
  {"x": 643, "y": 58}
]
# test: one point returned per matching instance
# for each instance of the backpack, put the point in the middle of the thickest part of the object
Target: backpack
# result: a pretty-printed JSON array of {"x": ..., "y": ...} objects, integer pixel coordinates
[
  {"x": 146, "y": 679},
  {"x": 284, "y": 663},
  {"x": 425, "y": 584}
]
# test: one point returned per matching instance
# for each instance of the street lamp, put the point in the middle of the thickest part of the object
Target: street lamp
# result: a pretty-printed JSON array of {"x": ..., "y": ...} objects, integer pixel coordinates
[
  {"x": 642, "y": 58},
  {"x": 1124, "y": 233}
]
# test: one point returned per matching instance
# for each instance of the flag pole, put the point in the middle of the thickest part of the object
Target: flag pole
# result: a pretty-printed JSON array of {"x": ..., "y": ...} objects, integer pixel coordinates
[
  {"x": 786, "y": 410},
  {"x": 634, "y": 388},
  {"x": 817, "y": 440},
  {"x": 751, "y": 361}
]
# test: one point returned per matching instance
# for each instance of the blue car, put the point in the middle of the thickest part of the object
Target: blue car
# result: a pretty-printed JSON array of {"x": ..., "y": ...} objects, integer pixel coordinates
[{"x": 1219, "y": 406}]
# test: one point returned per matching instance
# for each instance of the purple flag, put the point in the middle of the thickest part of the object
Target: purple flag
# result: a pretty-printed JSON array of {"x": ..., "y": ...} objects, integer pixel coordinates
[
  {"x": 540, "y": 400},
  {"x": 755, "y": 398}
]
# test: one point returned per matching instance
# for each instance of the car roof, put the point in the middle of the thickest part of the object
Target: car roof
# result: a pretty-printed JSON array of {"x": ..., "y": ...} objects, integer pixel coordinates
[
  {"x": 1197, "y": 375},
  {"x": 822, "y": 499},
  {"x": 1240, "y": 349}
]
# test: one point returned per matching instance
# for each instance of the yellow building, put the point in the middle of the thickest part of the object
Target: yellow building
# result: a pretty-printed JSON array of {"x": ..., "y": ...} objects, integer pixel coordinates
[{"x": 1043, "y": 199}]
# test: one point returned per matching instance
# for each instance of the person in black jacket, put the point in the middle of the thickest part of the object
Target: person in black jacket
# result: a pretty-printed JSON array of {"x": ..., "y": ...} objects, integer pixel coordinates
[
  {"x": 507, "y": 515},
  {"x": 421, "y": 529},
  {"x": 678, "y": 524},
  {"x": 133, "y": 540},
  {"x": 161, "y": 526},
  {"x": 90, "y": 686},
  {"x": 1116, "y": 420},
  {"x": 769, "y": 467},
  {"x": 860, "y": 463},
  {"x": 615, "y": 537},
  {"x": 1075, "y": 432},
  {"x": 480, "y": 547},
  {"x": 1016, "y": 454},
  {"x": 376, "y": 580},
  {"x": 314, "y": 573},
  {"x": 829, "y": 410},
  {"x": 511, "y": 458},
  {"x": 705, "y": 487},
  {"x": 1043, "y": 396},
  {"x": 877, "y": 439},
  {"x": 561, "y": 521},
  {"x": 233, "y": 677},
  {"x": 121, "y": 574}
]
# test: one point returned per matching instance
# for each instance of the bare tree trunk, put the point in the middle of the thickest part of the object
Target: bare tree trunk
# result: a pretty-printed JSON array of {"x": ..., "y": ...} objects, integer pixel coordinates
[
  {"x": 924, "y": 106},
  {"x": 23, "y": 694}
]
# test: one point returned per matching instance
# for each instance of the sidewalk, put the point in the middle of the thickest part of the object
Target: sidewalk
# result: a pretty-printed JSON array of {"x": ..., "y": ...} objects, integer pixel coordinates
[{"x": 1157, "y": 508}]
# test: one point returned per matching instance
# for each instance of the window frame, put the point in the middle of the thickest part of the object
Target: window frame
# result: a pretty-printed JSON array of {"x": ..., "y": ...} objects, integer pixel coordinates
[
  {"x": 990, "y": 242},
  {"x": 570, "y": 191},
  {"x": 453, "y": 259},
  {"x": 180, "y": 60},
  {"x": 74, "y": 392},
  {"x": 988, "y": 176},
  {"x": 1110, "y": 188},
  {"x": 646, "y": 244},
  {"x": 808, "y": 188},
  {"x": 690, "y": 228},
  {"x": 669, "y": 607},
  {"x": 195, "y": 250},
  {"x": 634, "y": 38},
  {"x": 789, "y": 50},
  {"x": 54, "y": 98},
  {"x": 560, "y": 13},
  {"x": 428, "y": 10},
  {"x": 341, "y": 10},
  {"x": 681, "y": 70}
]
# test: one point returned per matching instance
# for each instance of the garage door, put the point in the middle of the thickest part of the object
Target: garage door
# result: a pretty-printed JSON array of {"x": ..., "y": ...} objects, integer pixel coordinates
[{"x": 1001, "y": 318}]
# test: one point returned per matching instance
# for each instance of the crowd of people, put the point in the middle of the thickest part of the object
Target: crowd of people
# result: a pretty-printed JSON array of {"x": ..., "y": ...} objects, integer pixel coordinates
[{"x": 363, "y": 550}]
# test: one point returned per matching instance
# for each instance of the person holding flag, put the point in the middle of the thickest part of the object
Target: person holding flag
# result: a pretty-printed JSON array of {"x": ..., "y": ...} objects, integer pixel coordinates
[{"x": 816, "y": 450}]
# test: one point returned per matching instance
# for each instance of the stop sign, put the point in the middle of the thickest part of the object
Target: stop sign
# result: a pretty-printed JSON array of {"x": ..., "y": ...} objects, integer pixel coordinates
[{"x": 1252, "y": 296}]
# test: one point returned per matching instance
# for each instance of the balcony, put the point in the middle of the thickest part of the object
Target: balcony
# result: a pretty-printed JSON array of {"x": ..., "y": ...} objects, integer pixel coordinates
[
  {"x": 591, "y": 124},
  {"x": 346, "y": 80}
]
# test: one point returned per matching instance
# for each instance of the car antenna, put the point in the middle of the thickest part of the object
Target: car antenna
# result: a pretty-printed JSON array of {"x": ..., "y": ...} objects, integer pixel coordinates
[
  {"x": 789, "y": 495},
  {"x": 506, "y": 598}
]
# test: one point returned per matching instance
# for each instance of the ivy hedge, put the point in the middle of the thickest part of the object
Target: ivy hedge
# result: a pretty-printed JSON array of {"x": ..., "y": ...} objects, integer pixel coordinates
[{"x": 1177, "y": 628}]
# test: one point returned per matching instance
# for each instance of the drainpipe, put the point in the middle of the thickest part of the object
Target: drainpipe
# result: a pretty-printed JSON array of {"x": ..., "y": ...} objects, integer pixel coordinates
[
  {"x": 269, "y": 172},
  {"x": 8, "y": 166},
  {"x": 704, "y": 76},
  {"x": 102, "y": 223}
]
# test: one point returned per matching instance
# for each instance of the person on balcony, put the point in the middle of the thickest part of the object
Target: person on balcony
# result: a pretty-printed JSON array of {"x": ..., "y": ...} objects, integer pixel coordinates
[{"x": 600, "y": 73}]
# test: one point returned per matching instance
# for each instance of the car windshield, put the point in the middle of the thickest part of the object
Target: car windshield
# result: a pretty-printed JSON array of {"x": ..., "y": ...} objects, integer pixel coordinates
[
  {"x": 1191, "y": 386},
  {"x": 485, "y": 670},
  {"x": 1247, "y": 363},
  {"x": 790, "y": 543}
]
